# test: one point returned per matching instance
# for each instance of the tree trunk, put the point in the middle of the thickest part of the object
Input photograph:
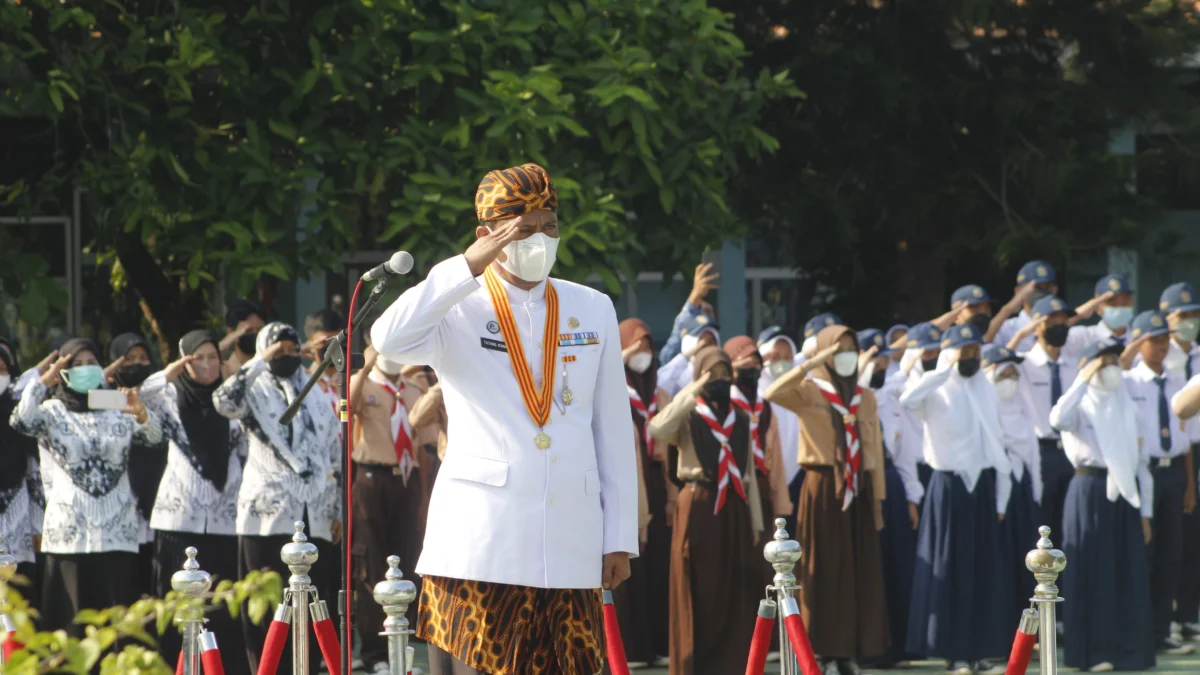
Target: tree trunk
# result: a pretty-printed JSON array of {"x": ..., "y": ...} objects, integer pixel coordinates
[{"x": 160, "y": 297}]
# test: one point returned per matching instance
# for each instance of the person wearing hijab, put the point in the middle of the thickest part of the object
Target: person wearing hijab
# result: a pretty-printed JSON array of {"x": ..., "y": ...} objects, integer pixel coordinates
[
  {"x": 196, "y": 504},
  {"x": 1106, "y": 520},
  {"x": 896, "y": 338},
  {"x": 244, "y": 318},
  {"x": 643, "y": 600},
  {"x": 901, "y": 516},
  {"x": 90, "y": 533},
  {"x": 129, "y": 366},
  {"x": 963, "y": 584},
  {"x": 291, "y": 471},
  {"x": 1023, "y": 518},
  {"x": 716, "y": 577},
  {"x": 840, "y": 507},
  {"x": 20, "y": 484},
  {"x": 778, "y": 353},
  {"x": 921, "y": 350}
]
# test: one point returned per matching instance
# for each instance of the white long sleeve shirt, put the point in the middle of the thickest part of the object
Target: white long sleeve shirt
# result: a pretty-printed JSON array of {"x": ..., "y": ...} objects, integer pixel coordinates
[{"x": 1035, "y": 386}]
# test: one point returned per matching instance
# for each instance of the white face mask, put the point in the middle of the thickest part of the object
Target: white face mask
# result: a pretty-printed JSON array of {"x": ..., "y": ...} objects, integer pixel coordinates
[
  {"x": 387, "y": 366},
  {"x": 1187, "y": 329},
  {"x": 5, "y": 380},
  {"x": 1006, "y": 388},
  {"x": 531, "y": 258},
  {"x": 640, "y": 362},
  {"x": 778, "y": 368},
  {"x": 809, "y": 347},
  {"x": 845, "y": 363},
  {"x": 1108, "y": 379}
]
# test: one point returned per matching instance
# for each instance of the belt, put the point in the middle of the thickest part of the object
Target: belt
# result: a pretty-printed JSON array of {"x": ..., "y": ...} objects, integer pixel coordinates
[
  {"x": 393, "y": 469},
  {"x": 1165, "y": 462},
  {"x": 1056, "y": 443},
  {"x": 1091, "y": 471}
]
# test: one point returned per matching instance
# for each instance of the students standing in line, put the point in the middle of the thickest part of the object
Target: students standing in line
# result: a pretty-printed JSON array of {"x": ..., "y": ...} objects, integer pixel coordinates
[{"x": 962, "y": 587}]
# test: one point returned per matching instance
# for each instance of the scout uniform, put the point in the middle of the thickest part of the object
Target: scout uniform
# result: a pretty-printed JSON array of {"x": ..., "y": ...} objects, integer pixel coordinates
[{"x": 539, "y": 478}]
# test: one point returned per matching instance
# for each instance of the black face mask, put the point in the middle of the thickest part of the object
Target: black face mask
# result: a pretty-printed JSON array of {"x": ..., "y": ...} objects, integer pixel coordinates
[
  {"x": 284, "y": 366},
  {"x": 878, "y": 378},
  {"x": 968, "y": 367},
  {"x": 1056, "y": 336},
  {"x": 981, "y": 322},
  {"x": 132, "y": 375},
  {"x": 929, "y": 365},
  {"x": 248, "y": 343},
  {"x": 747, "y": 378},
  {"x": 717, "y": 391}
]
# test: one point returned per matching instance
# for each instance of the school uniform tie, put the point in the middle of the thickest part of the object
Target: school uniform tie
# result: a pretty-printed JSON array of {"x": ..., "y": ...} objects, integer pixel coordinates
[
  {"x": 1055, "y": 383},
  {"x": 1187, "y": 367},
  {"x": 1164, "y": 416}
]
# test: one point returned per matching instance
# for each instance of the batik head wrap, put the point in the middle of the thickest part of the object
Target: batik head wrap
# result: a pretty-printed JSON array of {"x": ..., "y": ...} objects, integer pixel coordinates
[{"x": 508, "y": 193}]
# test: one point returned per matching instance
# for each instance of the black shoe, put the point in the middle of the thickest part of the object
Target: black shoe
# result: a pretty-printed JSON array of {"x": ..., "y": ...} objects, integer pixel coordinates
[
  {"x": 1172, "y": 647},
  {"x": 848, "y": 667}
]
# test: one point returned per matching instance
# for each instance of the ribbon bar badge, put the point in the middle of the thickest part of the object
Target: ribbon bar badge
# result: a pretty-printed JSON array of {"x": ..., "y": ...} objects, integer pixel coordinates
[{"x": 576, "y": 339}]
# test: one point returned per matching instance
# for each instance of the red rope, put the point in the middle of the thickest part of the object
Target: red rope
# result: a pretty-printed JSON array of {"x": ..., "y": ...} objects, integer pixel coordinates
[
  {"x": 349, "y": 462},
  {"x": 764, "y": 627},
  {"x": 210, "y": 655},
  {"x": 328, "y": 642},
  {"x": 272, "y": 651},
  {"x": 1022, "y": 649},
  {"x": 798, "y": 636},
  {"x": 617, "y": 664},
  {"x": 10, "y": 646}
]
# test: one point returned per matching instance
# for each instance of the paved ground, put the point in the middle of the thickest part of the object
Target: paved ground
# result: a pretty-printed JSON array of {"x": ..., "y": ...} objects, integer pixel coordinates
[{"x": 1166, "y": 666}]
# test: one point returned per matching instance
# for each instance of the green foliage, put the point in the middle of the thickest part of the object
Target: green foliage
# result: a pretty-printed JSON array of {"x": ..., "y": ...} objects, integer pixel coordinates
[
  {"x": 47, "y": 652},
  {"x": 203, "y": 130},
  {"x": 956, "y": 139}
]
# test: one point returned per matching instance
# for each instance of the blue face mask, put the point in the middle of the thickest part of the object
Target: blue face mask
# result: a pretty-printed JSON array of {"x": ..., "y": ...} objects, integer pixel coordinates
[
  {"x": 83, "y": 379},
  {"x": 1117, "y": 317}
]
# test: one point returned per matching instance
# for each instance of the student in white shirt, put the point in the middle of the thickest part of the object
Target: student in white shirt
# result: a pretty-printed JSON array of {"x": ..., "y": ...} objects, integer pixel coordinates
[
  {"x": 896, "y": 338},
  {"x": 963, "y": 586},
  {"x": 1107, "y": 521},
  {"x": 697, "y": 332},
  {"x": 1035, "y": 281},
  {"x": 921, "y": 353},
  {"x": 1045, "y": 374},
  {"x": 1167, "y": 444},
  {"x": 1113, "y": 299},
  {"x": 1024, "y": 516}
]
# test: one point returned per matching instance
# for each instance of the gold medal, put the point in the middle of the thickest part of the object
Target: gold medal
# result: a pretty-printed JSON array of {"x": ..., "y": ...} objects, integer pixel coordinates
[
  {"x": 568, "y": 396},
  {"x": 542, "y": 441}
]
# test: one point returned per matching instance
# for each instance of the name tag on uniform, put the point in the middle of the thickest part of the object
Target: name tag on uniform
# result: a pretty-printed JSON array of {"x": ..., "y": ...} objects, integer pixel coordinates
[
  {"x": 494, "y": 345},
  {"x": 578, "y": 339},
  {"x": 1041, "y": 384}
]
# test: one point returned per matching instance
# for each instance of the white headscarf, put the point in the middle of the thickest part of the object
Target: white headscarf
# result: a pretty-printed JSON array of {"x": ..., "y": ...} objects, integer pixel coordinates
[
  {"x": 1114, "y": 418},
  {"x": 1016, "y": 432},
  {"x": 974, "y": 399}
]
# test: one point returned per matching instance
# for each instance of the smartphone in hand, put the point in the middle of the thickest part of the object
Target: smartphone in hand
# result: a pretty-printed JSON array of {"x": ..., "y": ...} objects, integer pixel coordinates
[{"x": 107, "y": 399}]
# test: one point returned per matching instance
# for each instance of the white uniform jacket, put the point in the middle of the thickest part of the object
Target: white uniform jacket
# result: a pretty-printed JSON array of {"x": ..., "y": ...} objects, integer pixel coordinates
[{"x": 502, "y": 510}]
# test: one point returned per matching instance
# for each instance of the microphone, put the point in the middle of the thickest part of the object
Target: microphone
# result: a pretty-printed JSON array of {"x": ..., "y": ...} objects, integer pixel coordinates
[{"x": 401, "y": 262}]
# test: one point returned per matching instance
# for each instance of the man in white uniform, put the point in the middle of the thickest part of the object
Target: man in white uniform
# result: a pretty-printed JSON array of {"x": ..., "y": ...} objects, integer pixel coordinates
[{"x": 535, "y": 506}]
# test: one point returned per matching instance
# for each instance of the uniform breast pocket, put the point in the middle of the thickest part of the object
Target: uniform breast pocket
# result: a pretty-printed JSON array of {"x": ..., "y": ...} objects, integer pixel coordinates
[{"x": 578, "y": 368}]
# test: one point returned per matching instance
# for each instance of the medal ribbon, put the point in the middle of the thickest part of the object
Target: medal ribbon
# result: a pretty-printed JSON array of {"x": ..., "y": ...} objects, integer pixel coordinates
[
  {"x": 647, "y": 413},
  {"x": 538, "y": 403},
  {"x": 755, "y": 413},
  {"x": 727, "y": 468},
  {"x": 401, "y": 430},
  {"x": 849, "y": 419}
]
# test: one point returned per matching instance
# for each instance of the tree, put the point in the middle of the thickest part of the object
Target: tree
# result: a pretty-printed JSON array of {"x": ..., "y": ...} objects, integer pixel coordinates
[
  {"x": 954, "y": 140},
  {"x": 203, "y": 130}
]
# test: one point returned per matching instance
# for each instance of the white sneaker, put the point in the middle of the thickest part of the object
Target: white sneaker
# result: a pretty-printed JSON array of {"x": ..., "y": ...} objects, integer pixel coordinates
[
  {"x": 1101, "y": 667},
  {"x": 665, "y": 661},
  {"x": 959, "y": 668},
  {"x": 773, "y": 657},
  {"x": 638, "y": 665}
]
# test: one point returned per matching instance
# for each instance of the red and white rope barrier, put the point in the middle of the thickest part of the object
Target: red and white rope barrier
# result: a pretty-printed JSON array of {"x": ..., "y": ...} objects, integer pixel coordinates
[
  {"x": 327, "y": 638},
  {"x": 210, "y": 656},
  {"x": 760, "y": 645},
  {"x": 798, "y": 636},
  {"x": 277, "y": 635},
  {"x": 617, "y": 663},
  {"x": 1022, "y": 649}
]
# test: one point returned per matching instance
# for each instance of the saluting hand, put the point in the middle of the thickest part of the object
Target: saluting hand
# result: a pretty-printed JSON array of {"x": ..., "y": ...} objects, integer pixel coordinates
[
  {"x": 1090, "y": 370},
  {"x": 50, "y": 376},
  {"x": 488, "y": 247},
  {"x": 45, "y": 363},
  {"x": 176, "y": 368},
  {"x": 1089, "y": 308},
  {"x": 824, "y": 355},
  {"x": 866, "y": 357},
  {"x": 111, "y": 371}
]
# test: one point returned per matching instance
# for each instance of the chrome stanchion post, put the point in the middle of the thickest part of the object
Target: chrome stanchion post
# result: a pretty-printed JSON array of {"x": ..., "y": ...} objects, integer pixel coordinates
[
  {"x": 8, "y": 568},
  {"x": 191, "y": 582},
  {"x": 299, "y": 556},
  {"x": 395, "y": 594},
  {"x": 1046, "y": 563},
  {"x": 783, "y": 553}
]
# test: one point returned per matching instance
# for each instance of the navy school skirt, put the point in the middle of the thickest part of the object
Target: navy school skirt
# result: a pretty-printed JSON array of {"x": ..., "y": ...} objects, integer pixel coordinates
[
  {"x": 962, "y": 581},
  {"x": 1022, "y": 521},
  {"x": 1106, "y": 585},
  {"x": 897, "y": 551}
]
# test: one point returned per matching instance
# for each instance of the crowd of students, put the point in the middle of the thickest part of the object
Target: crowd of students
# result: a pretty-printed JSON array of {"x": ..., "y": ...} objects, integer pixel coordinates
[{"x": 914, "y": 465}]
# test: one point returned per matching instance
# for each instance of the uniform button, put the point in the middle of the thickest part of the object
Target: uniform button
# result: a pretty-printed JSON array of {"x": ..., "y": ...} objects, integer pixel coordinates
[
  {"x": 554, "y": 459},
  {"x": 539, "y": 344},
  {"x": 550, "y": 501}
]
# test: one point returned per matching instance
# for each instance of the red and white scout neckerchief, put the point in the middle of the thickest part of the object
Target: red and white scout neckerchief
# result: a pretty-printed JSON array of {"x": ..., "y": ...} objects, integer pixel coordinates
[
  {"x": 727, "y": 468},
  {"x": 401, "y": 430},
  {"x": 755, "y": 413},
  {"x": 849, "y": 418},
  {"x": 647, "y": 412}
]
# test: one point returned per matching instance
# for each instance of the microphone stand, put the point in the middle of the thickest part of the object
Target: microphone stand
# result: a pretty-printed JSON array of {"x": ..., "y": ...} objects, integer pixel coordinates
[{"x": 335, "y": 357}]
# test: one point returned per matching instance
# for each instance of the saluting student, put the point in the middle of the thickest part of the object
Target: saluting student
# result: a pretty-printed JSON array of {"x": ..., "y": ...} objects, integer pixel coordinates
[
  {"x": 696, "y": 332},
  {"x": 1116, "y": 312},
  {"x": 1045, "y": 374},
  {"x": 716, "y": 576},
  {"x": 779, "y": 353},
  {"x": 962, "y": 587},
  {"x": 1151, "y": 387},
  {"x": 901, "y": 507},
  {"x": 896, "y": 338},
  {"x": 920, "y": 356},
  {"x": 1041, "y": 276},
  {"x": 840, "y": 507},
  {"x": 1024, "y": 516},
  {"x": 244, "y": 318},
  {"x": 1106, "y": 523},
  {"x": 646, "y": 612},
  {"x": 811, "y": 328}
]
